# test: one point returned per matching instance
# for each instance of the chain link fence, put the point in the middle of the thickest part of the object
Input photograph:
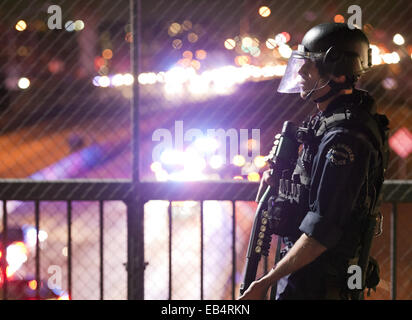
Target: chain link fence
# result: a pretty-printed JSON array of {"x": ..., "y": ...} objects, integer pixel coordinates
[{"x": 66, "y": 89}]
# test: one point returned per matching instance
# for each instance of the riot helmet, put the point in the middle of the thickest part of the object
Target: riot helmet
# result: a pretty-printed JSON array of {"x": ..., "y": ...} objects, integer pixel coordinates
[{"x": 335, "y": 50}]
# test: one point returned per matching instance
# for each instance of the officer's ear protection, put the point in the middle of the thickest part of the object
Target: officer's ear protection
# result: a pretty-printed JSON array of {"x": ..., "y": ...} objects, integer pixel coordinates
[{"x": 330, "y": 60}]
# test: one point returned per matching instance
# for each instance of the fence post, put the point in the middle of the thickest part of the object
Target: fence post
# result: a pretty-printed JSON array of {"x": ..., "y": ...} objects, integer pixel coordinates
[
  {"x": 135, "y": 205},
  {"x": 135, "y": 250},
  {"x": 394, "y": 220}
]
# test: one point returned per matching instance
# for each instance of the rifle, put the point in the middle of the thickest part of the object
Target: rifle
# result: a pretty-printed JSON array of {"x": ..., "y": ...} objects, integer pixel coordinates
[{"x": 282, "y": 157}]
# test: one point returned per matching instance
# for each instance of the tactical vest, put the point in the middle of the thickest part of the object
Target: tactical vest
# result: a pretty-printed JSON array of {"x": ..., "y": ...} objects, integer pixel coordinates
[{"x": 292, "y": 202}]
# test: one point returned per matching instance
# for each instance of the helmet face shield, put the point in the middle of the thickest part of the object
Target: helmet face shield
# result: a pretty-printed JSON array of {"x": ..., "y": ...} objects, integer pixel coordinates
[
  {"x": 292, "y": 80},
  {"x": 302, "y": 74}
]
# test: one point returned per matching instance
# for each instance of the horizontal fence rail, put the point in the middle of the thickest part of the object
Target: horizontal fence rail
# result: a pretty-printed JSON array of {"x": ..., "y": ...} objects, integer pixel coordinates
[{"x": 394, "y": 192}]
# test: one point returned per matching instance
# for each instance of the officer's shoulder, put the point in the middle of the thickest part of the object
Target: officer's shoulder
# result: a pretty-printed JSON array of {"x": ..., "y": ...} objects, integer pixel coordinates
[{"x": 353, "y": 137}]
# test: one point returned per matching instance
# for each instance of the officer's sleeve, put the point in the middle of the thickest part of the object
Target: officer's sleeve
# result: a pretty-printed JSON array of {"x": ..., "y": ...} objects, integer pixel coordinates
[{"x": 338, "y": 172}]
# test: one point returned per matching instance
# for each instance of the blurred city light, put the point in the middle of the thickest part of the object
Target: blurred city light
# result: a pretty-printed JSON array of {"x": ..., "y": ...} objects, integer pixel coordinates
[
  {"x": 271, "y": 43},
  {"x": 16, "y": 256},
  {"x": 32, "y": 284},
  {"x": 286, "y": 36},
  {"x": 253, "y": 176},
  {"x": 230, "y": 44},
  {"x": 339, "y": 18},
  {"x": 259, "y": 161},
  {"x": 391, "y": 58},
  {"x": 69, "y": 26},
  {"x": 242, "y": 60},
  {"x": 280, "y": 38},
  {"x": 398, "y": 39},
  {"x": 247, "y": 42},
  {"x": 206, "y": 144},
  {"x": 174, "y": 29},
  {"x": 389, "y": 83},
  {"x": 23, "y": 83},
  {"x": 104, "y": 81},
  {"x": 156, "y": 166},
  {"x": 128, "y": 79},
  {"x": 117, "y": 80},
  {"x": 162, "y": 175},
  {"x": 216, "y": 161},
  {"x": 21, "y": 25},
  {"x": 401, "y": 142},
  {"x": 239, "y": 160},
  {"x": 201, "y": 54},
  {"x": 264, "y": 11},
  {"x": 78, "y": 25},
  {"x": 285, "y": 51},
  {"x": 177, "y": 44},
  {"x": 107, "y": 54},
  {"x": 192, "y": 37},
  {"x": 187, "y": 25},
  {"x": 376, "y": 57},
  {"x": 172, "y": 157}
]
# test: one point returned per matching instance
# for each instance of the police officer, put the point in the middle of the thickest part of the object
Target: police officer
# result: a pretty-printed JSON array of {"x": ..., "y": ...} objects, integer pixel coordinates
[{"x": 339, "y": 170}]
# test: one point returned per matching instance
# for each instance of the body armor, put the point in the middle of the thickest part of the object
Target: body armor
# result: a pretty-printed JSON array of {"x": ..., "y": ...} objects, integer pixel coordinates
[{"x": 355, "y": 117}]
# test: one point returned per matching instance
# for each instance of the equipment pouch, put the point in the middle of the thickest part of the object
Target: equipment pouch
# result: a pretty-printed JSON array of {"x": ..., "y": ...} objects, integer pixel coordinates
[
  {"x": 372, "y": 276},
  {"x": 284, "y": 218}
]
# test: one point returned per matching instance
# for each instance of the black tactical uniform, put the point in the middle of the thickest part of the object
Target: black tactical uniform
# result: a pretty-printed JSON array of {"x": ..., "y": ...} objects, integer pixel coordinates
[
  {"x": 339, "y": 171},
  {"x": 335, "y": 177}
]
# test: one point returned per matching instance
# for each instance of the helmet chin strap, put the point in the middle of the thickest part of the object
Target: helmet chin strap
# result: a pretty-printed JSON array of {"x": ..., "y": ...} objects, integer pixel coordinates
[
  {"x": 312, "y": 90},
  {"x": 335, "y": 88}
]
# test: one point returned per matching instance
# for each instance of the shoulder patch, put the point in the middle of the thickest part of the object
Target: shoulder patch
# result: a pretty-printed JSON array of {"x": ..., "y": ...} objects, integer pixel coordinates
[{"x": 340, "y": 154}]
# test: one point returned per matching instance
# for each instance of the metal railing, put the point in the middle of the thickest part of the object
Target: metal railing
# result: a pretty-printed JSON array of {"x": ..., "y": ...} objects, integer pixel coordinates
[{"x": 393, "y": 192}]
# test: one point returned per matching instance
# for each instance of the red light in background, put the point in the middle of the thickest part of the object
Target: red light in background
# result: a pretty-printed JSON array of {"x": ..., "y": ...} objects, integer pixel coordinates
[
  {"x": 9, "y": 272},
  {"x": 401, "y": 142},
  {"x": 32, "y": 284},
  {"x": 339, "y": 18},
  {"x": 287, "y": 36}
]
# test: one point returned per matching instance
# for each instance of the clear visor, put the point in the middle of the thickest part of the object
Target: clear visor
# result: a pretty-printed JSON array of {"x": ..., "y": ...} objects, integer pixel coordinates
[{"x": 301, "y": 74}]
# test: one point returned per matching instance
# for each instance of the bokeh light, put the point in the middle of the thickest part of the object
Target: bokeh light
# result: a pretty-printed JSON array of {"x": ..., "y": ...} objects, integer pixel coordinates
[
  {"x": 174, "y": 29},
  {"x": 23, "y": 83},
  {"x": 107, "y": 54},
  {"x": 253, "y": 176},
  {"x": 78, "y": 25},
  {"x": 239, "y": 160},
  {"x": 271, "y": 43},
  {"x": 398, "y": 39},
  {"x": 69, "y": 26},
  {"x": 339, "y": 18},
  {"x": 21, "y": 25},
  {"x": 264, "y": 11},
  {"x": 259, "y": 161},
  {"x": 201, "y": 54},
  {"x": 230, "y": 44},
  {"x": 192, "y": 37}
]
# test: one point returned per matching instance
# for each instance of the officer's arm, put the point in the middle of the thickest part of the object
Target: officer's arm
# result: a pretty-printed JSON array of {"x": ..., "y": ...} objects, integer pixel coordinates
[{"x": 303, "y": 252}]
